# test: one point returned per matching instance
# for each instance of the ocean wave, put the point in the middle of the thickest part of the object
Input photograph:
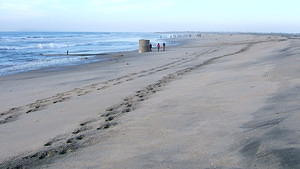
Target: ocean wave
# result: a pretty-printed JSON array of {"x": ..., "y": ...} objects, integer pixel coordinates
[
  {"x": 38, "y": 46},
  {"x": 4, "y": 66},
  {"x": 53, "y": 45},
  {"x": 17, "y": 47},
  {"x": 50, "y": 46},
  {"x": 41, "y": 63},
  {"x": 35, "y": 37},
  {"x": 8, "y": 48}
]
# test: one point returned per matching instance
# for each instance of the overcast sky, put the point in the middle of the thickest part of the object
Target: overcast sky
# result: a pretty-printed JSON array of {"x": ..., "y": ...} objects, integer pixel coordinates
[{"x": 150, "y": 15}]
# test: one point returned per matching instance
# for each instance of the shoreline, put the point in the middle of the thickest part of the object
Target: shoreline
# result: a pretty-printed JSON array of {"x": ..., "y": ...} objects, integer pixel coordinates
[
  {"x": 26, "y": 51},
  {"x": 108, "y": 57},
  {"x": 63, "y": 68}
]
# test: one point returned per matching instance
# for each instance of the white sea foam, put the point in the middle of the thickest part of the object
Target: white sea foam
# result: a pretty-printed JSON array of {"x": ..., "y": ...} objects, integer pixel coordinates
[{"x": 47, "y": 46}]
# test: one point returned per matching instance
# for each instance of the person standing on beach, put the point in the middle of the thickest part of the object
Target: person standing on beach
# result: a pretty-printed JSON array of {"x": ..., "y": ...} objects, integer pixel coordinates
[
  {"x": 158, "y": 47},
  {"x": 164, "y": 46},
  {"x": 150, "y": 46}
]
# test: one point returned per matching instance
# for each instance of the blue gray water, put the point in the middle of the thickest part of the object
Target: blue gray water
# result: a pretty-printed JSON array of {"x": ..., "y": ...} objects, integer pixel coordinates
[{"x": 21, "y": 51}]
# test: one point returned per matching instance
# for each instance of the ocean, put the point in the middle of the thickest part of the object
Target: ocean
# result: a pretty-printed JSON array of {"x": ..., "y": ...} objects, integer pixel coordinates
[{"x": 25, "y": 51}]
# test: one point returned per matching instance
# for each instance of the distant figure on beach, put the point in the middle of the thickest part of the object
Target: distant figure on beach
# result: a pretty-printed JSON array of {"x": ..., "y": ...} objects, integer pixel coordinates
[
  {"x": 158, "y": 47},
  {"x": 150, "y": 46},
  {"x": 164, "y": 46},
  {"x": 67, "y": 52}
]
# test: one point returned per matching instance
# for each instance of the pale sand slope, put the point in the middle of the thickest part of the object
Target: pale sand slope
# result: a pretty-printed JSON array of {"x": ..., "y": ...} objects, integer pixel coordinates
[{"x": 219, "y": 102}]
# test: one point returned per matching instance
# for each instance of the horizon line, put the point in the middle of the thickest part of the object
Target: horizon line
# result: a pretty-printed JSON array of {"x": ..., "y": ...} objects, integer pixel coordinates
[{"x": 233, "y": 32}]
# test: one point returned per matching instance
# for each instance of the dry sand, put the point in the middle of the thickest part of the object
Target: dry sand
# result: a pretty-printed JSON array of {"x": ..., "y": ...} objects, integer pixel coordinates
[{"x": 219, "y": 102}]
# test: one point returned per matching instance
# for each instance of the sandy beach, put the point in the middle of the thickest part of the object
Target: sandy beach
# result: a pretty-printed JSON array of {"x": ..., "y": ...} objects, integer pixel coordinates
[{"x": 222, "y": 101}]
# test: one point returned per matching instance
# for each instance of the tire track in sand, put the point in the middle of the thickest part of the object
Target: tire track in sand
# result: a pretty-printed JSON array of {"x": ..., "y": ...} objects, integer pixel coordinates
[
  {"x": 89, "y": 131},
  {"x": 13, "y": 113}
]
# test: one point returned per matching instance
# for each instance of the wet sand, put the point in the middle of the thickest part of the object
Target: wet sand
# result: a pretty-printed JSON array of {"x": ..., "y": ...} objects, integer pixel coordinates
[{"x": 218, "y": 102}]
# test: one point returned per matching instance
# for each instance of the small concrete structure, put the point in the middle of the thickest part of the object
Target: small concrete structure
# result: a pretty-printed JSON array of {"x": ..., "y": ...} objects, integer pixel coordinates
[{"x": 144, "y": 46}]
